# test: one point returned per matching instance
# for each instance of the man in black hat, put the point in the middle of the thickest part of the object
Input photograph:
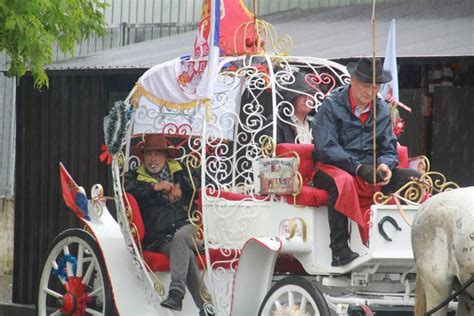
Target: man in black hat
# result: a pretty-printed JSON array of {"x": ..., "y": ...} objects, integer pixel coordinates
[
  {"x": 343, "y": 137},
  {"x": 294, "y": 121},
  {"x": 163, "y": 191}
]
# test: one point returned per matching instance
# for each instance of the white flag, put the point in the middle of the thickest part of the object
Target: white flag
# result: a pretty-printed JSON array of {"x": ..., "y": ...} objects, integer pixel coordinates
[
  {"x": 205, "y": 87},
  {"x": 390, "y": 89},
  {"x": 185, "y": 82}
]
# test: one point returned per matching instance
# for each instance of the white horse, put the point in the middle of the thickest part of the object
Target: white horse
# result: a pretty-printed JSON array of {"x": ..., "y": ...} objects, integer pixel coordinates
[{"x": 443, "y": 244}]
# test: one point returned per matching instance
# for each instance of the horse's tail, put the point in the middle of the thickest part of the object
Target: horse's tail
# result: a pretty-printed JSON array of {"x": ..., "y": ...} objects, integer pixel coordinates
[{"x": 420, "y": 298}]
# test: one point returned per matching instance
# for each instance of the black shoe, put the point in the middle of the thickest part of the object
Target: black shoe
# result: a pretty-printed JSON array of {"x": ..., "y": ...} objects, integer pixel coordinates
[
  {"x": 174, "y": 301},
  {"x": 343, "y": 257}
]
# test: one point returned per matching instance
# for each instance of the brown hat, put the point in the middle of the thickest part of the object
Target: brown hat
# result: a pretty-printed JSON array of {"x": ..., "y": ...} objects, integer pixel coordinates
[
  {"x": 155, "y": 142},
  {"x": 362, "y": 71}
]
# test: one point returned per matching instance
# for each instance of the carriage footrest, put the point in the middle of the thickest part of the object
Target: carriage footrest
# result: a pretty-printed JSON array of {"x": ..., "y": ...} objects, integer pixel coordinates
[{"x": 386, "y": 311}]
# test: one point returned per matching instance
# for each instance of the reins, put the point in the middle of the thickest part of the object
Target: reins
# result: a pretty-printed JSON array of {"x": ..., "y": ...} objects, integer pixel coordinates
[{"x": 451, "y": 297}]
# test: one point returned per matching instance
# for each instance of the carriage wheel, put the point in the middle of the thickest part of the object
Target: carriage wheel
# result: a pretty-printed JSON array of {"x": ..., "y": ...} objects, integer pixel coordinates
[
  {"x": 294, "y": 295},
  {"x": 74, "y": 281}
]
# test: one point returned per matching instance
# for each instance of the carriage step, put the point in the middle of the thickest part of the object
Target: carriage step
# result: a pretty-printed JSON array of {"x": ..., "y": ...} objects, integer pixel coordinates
[{"x": 385, "y": 311}]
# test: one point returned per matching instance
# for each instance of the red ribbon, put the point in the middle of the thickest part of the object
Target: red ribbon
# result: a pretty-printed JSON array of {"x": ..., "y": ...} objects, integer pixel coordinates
[{"x": 105, "y": 156}]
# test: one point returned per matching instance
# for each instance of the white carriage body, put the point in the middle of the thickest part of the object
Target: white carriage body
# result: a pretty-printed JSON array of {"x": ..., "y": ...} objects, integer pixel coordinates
[
  {"x": 226, "y": 136},
  {"x": 234, "y": 131}
]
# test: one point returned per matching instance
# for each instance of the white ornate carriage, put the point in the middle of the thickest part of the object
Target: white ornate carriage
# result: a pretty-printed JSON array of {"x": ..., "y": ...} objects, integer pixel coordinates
[
  {"x": 251, "y": 241},
  {"x": 264, "y": 254}
]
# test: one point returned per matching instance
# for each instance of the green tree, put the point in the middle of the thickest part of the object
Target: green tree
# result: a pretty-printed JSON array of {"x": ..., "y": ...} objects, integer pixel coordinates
[{"x": 29, "y": 28}]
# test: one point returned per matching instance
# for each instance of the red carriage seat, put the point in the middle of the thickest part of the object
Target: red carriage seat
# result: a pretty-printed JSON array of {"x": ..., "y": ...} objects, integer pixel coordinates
[
  {"x": 310, "y": 196},
  {"x": 403, "y": 161},
  {"x": 159, "y": 261}
]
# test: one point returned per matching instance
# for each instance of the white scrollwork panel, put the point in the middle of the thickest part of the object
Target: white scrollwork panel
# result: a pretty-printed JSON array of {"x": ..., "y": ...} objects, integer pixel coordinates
[
  {"x": 310, "y": 77},
  {"x": 267, "y": 86},
  {"x": 251, "y": 96}
]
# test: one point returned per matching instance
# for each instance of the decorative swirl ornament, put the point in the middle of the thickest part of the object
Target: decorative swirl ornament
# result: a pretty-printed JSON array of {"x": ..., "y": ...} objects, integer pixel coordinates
[
  {"x": 293, "y": 227},
  {"x": 97, "y": 199},
  {"x": 268, "y": 146},
  {"x": 280, "y": 45},
  {"x": 436, "y": 182},
  {"x": 413, "y": 193},
  {"x": 418, "y": 189},
  {"x": 421, "y": 164}
]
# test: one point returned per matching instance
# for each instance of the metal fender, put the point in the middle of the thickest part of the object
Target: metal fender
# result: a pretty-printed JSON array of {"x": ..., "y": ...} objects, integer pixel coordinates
[
  {"x": 120, "y": 265},
  {"x": 254, "y": 275}
]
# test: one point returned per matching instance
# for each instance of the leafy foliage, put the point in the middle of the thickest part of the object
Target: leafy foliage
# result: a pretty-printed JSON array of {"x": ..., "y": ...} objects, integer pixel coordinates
[{"x": 29, "y": 28}]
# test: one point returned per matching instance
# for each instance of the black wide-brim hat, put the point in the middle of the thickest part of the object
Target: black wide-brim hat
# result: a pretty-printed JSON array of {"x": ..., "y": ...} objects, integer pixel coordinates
[
  {"x": 300, "y": 85},
  {"x": 362, "y": 71}
]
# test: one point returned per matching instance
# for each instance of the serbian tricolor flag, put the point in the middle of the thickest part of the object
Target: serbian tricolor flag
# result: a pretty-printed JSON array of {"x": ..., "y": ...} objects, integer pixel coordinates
[
  {"x": 186, "y": 81},
  {"x": 211, "y": 51},
  {"x": 389, "y": 90},
  {"x": 226, "y": 28},
  {"x": 73, "y": 195}
]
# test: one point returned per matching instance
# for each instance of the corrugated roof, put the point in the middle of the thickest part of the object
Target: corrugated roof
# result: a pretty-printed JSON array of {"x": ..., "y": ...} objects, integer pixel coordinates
[{"x": 425, "y": 28}]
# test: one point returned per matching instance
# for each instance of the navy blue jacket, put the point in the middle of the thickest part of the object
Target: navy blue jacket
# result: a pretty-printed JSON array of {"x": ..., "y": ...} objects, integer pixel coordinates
[{"x": 342, "y": 140}]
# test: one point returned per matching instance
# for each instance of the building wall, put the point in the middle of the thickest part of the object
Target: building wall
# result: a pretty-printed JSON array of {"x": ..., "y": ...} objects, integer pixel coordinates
[
  {"x": 7, "y": 160},
  {"x": 61, "y": 124},
  {"x": 7, "y": 136},
  {"x": 6, "y": 235},
  {"x": 185, "y": 11},
  {"x": 453, "y": 133}
]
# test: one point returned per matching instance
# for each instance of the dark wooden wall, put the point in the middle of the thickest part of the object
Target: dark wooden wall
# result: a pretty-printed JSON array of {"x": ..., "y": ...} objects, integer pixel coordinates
[
  {"x": 63, "y": 123},
  {"x": 453, "y": 133},
  {"x": 412, "y": 135}
]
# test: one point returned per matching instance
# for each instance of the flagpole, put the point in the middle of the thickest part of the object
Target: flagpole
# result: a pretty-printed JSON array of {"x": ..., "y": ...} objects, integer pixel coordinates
[
  {"x": 374, "y": 101},
  {"x": 255, "y": 13}
]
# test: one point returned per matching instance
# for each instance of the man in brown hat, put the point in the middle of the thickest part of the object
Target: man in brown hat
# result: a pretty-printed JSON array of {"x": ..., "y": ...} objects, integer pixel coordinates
[
  {"x": 343, "y": 137},
  {"x": 163, "y": 191}
]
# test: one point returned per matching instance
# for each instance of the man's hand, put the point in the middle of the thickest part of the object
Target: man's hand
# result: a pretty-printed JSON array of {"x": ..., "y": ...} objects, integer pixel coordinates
[
  {"x": 175, "y": 193},
  {"x": 386, "y": 173},
  {"x": 163, "y": 186},
  {"x": 366, "y": 172}
]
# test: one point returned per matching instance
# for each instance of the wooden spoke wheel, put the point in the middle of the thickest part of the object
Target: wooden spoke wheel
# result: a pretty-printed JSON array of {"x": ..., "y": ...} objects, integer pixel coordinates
[
  {"x": 74, "y": 280},
  {"x": 294, "y": 295}
]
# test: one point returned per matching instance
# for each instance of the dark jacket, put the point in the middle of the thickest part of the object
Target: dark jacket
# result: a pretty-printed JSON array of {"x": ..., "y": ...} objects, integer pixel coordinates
[
  {"x": 286, "y": 133},
  {"x": 160, "y": 217},
  {"x": 342, "y": 140}
]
